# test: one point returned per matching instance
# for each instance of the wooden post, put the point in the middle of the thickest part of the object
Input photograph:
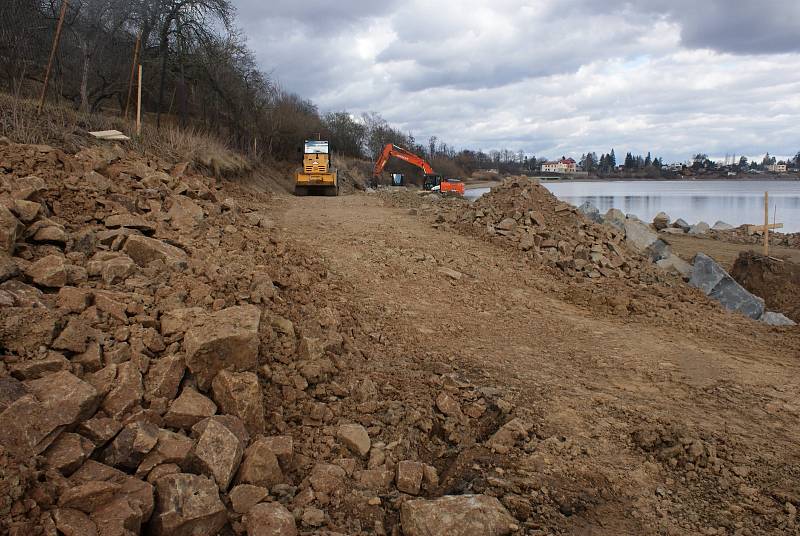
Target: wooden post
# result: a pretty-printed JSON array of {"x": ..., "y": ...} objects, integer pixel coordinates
[
  {"x": 139, "y": 105},
  {"x": 133, "y": 73},
  {"x": 53, "y": 50},
  {"x": 766, "y": 224}
]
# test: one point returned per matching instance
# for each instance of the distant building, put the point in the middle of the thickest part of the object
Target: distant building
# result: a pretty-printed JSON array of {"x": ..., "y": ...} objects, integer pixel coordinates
[
  {"x": 777, "y": 168},
  {"x": 565, "y": 165}
]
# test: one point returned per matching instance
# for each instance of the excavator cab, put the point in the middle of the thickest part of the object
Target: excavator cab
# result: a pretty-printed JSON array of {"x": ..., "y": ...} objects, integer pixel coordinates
[
  {"x": 437, "y": 183},
  {"x": 432, "y": 181}
]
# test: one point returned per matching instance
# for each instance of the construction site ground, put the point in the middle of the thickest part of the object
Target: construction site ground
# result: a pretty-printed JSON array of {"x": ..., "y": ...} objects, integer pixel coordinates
[
  {"x": 723, "y": 252},
  {"x": 594, "y": 381}
]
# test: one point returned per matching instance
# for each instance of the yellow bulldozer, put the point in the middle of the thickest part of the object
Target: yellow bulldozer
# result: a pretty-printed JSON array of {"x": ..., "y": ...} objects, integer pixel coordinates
[{"x": 317, "y": 175}]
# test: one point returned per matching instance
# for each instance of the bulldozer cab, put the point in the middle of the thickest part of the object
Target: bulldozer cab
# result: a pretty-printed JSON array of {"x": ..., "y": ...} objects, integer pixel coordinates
[{"x": 315, "y": 147}]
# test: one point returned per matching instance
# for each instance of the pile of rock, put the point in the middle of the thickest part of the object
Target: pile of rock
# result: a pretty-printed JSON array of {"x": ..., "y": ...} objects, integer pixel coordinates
[
  {"x": 578, "y": 241},
  {"x": 171, "y": 367}
]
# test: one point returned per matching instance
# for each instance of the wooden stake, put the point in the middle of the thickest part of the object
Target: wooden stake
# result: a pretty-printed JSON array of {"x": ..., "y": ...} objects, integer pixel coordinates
[
  {"x": 133, "y": 73},
  {"x": 766, "y": 224},
  {"x": 53, "y": 50},
  {"x": 139, "y": 105}
]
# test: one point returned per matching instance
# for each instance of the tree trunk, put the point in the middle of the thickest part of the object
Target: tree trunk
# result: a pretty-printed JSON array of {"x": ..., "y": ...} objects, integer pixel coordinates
[
  {"x": 162, "y": 83},
  {"x": 84, "y": 107}
]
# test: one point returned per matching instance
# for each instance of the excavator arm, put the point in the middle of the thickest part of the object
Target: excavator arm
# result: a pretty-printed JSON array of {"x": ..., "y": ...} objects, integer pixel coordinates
[{"x": 398, "y": 152}]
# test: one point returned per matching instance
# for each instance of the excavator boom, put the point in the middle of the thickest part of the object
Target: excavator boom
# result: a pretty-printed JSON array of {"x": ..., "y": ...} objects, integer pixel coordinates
[{"x": 393, "y": 150}]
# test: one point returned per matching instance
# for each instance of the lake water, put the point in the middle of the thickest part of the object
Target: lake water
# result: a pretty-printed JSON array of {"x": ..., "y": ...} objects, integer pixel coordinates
[{"x": 734, "y": 202}]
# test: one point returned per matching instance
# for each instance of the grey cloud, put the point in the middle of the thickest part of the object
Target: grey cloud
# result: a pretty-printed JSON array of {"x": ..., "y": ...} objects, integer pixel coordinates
[
  {"x": 733, "y": 26},
  {"x": 567, "y": 77}
]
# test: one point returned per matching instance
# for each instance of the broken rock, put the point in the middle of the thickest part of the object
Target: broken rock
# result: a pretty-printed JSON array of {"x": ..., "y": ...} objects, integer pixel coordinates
[
  {"x": 245, "y": 496},
  {"x": 217, "y": 453},
  {"x": 409, "y": 476},
  {"x": 171, "y": 448},
  {"x": 463, "y": 515},
  {"x": 239, "y": 393},
  {"x": 164, "y": 377},
  {"x": 260, "y": 466},
  {"x": 270, "y": 519},
  {"x": 50, "y": 271},
  {"x": 355, "y": 438},
  {"x": 126, "y": 391},
  {"x": 10, "y": 228},
  {"x": 144, "y": 250},
  {"x": 189, "y": 409},
  {"x": 131, "y": 445},
  {"x": 187, "y": 505},
  {"x": 506, "y": 437},
  {"x": 68, "y": 452},
  {"x": 228, "y": 339}
]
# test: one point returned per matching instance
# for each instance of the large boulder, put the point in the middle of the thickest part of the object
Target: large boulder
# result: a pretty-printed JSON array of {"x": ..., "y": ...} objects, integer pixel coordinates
[
  {"x": 776, "y": 319},
  {"x": 270, "y": 519},
  {"x": 638, "y": 235},
  {"x": 658, "y": 250},
  {"x": 227, "y": 339},
  {"x": 591, "y": 212},
  {"x": 462, "y": 515},
  {"x": 131, "y": 445},
  {"x": 714, "y": 281},
  {"x": 673, "y": 263},
  {"x": 37, "y": 411},
  {"x": 10, "y": 229},
  {"x": 661, "y": 221},
  {"x": 50, "y": 271},
  {"x": 217, "y": 453},
  {"x": 260, "y": 466},
  {"x": 185, "y": 213},
  {"x": 239, "y": 393},
  {"x": 682, "y": 225},
  {"x": 144, "y": 250},
  {"x": 355, "y": 438},
  {"x": 189, "y": 409},
  {"x": 614, "y": 217},
  {"x": 187, "y": 505},
  {"x": 699, "y": 229},
  {"x": 164, "y": 377},
  {"x": 722, "y": 226}
]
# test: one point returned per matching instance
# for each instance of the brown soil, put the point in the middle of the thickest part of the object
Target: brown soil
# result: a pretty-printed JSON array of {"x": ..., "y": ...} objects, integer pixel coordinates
[
  {"x": 631, "y": 404},
  {"x": 722, "y": 251},
  {"x": 615, "y": 399},
  {"x": 775, "y": 280}
]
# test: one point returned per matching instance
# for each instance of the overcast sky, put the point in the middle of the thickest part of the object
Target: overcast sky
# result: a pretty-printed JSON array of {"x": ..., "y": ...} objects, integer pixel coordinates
[{"x": 549, "y": 77}]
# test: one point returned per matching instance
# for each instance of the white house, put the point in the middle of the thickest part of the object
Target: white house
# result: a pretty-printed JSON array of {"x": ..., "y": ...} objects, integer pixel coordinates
[
  {"x": 777, "y": 168},
  {"x": 565, "y": 165}
]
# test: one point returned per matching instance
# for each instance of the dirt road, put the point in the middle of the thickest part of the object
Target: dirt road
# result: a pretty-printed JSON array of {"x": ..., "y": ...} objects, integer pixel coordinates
[{"x": 589, "y": 380}]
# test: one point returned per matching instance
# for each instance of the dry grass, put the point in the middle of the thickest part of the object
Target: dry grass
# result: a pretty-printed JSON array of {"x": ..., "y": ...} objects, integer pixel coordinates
[{"x": 68, "y": 129}]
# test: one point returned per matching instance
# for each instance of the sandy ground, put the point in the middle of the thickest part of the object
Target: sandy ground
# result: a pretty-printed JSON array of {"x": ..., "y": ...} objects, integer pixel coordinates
[
  {"x": 724, "y": 253},
  {"x": 589, "y": 378}
]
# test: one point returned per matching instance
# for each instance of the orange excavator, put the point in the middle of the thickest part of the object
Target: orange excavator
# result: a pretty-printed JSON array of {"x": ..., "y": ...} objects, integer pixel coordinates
[{"x": 433, "y": 181}]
